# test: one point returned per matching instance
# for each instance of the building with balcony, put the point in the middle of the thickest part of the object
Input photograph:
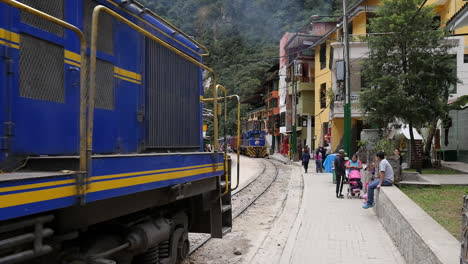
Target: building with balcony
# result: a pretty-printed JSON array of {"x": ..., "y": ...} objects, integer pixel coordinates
[
  {"x": 329, "y": 77},
  {"x": 297, "y": 82},
  {"x": 453, "y": 16},
  {"x": 329, "y": 72}
]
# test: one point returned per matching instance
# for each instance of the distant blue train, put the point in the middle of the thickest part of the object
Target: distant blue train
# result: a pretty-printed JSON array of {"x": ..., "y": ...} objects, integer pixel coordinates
[
  {"x": 129, "y": 186},
  {"x": 252, "y": 143}
]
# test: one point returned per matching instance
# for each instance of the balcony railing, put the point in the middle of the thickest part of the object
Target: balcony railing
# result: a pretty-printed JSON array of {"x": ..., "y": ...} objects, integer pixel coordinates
[{"x": 338, "y": 110}]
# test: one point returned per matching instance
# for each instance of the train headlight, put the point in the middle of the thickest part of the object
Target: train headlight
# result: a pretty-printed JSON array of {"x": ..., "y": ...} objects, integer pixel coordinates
[{"x": 257, "y": 142}]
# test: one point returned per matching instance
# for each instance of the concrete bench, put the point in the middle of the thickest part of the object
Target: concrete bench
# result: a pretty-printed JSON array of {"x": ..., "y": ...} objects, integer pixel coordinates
[{"x": 418, "y": 237}]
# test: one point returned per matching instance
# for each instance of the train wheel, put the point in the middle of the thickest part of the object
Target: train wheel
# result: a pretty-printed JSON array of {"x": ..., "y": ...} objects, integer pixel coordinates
[{"x": 183, "y": 248}]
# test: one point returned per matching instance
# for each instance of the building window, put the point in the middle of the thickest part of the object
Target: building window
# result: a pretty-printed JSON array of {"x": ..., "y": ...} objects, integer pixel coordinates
[
  {"x": 436, "y": 24},
  {"x": 453, "y": 88},
  {"x": 325, "y": 133},
  {"x": 274, "y": 102},
  {"x": 305, "y": 72},
  {"x": 330, "y": 63},
  {"x": 323, "y": 95},
  {"x": 364, "y": 82},
  {"x": 304, "y": 121},
  {"x": 369, "y": 16},
  {"x": 283, "y": 119},
  {"x": 465, "y": 58},
  {"x": 323, "y": 56}
]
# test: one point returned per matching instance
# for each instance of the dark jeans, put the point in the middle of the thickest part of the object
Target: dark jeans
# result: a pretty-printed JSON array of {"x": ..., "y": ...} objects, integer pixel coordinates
[
  {"x": 371, "y": 187},
  {"x": 339, "y": 183},
  {"x": 318, "y": 167},
  {"x": 306, "y": 165}
]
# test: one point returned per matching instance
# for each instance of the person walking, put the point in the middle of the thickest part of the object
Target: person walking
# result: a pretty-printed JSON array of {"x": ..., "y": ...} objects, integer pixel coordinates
[
  {"x": 305, "y": 159},
  {"x": 340, "y": 171},
  {"x": 323, "y": 150},
  {"x": 385, "y": 178},
  {"x": 318, "y": 161}
]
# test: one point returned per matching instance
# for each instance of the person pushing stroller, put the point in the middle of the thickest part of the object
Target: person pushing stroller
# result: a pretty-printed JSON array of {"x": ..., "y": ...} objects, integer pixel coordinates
[{"x": 354, "y": 167}]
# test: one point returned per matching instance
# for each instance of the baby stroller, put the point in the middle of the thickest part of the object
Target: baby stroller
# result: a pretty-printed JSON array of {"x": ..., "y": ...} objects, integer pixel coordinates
[{"x": 355, "y": 184}]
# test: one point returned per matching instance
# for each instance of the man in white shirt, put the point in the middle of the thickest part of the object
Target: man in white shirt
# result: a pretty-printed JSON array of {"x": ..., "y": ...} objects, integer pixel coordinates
[{"x": 385, "y": 177}]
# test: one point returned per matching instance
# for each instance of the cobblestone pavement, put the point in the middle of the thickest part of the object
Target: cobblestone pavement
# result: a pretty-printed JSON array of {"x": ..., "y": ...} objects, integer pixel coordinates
[{"x": 336, "y": 231}]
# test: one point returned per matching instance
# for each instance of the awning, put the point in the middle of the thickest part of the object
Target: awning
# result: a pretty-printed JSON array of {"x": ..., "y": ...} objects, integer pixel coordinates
[{"x": 404, "y": 130}]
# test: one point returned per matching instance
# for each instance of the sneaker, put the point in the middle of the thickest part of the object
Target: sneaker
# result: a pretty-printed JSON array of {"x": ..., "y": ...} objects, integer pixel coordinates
[{"x": 367, "y": 206}]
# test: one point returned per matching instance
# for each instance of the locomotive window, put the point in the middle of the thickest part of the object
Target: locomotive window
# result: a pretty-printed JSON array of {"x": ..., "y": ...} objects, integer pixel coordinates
[
  {"x": 52, "y": 7},
  {"x": 105, "y": 40},
  {"x": 41, "y": 70}
]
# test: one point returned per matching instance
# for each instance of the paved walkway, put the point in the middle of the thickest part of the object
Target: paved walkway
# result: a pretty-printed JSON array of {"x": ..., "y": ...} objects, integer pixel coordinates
[
  {"x": 460, "y": 166},
  {"x": 440, "y": 179},
  {"x": 336, "y": 231}
]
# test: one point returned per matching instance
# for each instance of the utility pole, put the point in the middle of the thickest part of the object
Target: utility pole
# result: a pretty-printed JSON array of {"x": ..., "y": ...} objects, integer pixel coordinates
[
  {"x": 294, "y": 114},
  {"x": 347, "y": 107}
]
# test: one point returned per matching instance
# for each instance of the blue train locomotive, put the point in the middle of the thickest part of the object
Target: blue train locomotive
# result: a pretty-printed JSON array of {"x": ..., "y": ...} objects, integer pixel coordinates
[
  {"x": 253, "y": 140},
  {"x": 102, "y": 161}
]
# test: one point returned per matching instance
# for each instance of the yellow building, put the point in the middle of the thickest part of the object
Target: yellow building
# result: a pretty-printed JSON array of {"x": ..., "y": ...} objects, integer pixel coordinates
[
  {"x": 329, "y": 69},
  {"x": 453, "y": 15}
]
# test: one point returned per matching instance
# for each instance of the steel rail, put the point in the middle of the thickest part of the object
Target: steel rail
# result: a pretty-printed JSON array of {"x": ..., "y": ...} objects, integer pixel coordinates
[
  {"x": 247, "y": 205},
  {"x": 92, "y": 86},
  {"x": 83, "y": 93}
]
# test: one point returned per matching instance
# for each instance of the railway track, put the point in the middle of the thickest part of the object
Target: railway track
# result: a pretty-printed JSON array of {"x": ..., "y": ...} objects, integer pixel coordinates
[{"x": 243, "y": 198}]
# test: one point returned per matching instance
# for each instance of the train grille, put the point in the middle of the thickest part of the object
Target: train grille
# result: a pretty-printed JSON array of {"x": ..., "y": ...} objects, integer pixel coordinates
[
  {"x": 172, "y": 100},
  {"x": 52, "y": 7},
  {"x": 41, "y": 70}
]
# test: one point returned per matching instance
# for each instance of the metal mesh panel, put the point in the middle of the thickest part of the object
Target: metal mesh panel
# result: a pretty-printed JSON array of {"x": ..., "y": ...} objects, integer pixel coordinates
[
  {"x": 105, "y": 41},
  {"x": 41, "y": 69},
  {"x": 104, "y": 84},
  {"x": 52, "y": 7},
  {"x": 172, "y": 100}
]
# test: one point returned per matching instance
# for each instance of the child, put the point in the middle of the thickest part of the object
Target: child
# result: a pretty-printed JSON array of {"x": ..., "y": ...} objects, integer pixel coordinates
[{"x": 371, "y": 169}]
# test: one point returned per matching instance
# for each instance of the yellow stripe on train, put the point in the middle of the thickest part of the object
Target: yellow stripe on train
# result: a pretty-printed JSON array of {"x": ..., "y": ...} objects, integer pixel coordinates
[
  {"x": 56, "y": 183},
  {"x": 7, "y": 37},
  {"x": 66, "y": 191}
]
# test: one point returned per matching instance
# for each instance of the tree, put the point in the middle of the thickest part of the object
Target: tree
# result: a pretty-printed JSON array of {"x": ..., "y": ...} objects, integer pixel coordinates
[{"x": 409, "y": 70}]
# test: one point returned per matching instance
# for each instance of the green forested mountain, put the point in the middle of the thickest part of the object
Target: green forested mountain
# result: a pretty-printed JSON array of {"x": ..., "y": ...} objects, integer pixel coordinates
[{"x": 242, "y": 35}]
